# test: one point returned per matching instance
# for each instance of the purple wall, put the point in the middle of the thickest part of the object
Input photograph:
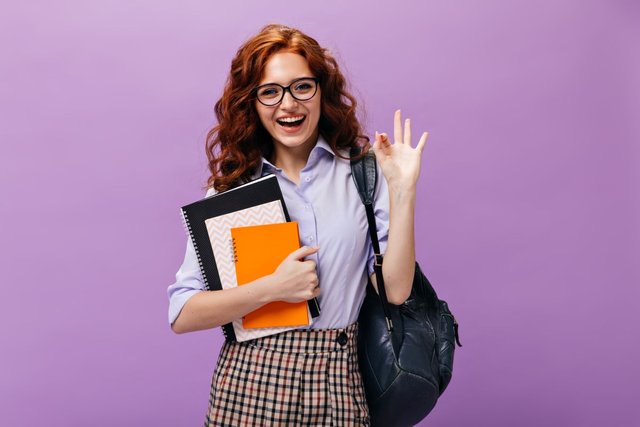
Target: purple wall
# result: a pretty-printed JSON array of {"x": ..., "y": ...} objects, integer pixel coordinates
[{"x": 528, "y": 218}]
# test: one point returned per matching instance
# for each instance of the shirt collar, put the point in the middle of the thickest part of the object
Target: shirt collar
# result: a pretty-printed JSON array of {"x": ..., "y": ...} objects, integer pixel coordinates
[{"x": 324, "y": 145}]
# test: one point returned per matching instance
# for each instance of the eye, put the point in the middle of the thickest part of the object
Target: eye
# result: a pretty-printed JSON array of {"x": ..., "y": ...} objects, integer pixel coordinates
[
  {"x": 302, "y": 87},
  {"x": 268, "y": 92}
]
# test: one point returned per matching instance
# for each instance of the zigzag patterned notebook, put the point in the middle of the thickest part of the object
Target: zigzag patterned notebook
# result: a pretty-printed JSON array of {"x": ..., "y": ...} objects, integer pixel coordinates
[
  {"x": 219, "y": 229},
  {"x": 257, "y": 202}
]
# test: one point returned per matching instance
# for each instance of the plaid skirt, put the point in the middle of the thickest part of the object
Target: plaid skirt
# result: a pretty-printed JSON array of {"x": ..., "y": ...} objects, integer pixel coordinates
[{"x": 295, "y": 378}]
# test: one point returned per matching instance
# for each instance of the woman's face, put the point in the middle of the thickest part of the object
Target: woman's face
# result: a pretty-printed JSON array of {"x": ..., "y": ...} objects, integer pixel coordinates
[{"x": 283, "y": 68}]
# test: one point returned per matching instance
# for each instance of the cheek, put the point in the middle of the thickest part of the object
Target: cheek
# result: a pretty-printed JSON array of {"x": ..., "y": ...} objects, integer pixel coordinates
[
  {"x": 316, "y": 110},
  {"x": 262, "y": 114}
]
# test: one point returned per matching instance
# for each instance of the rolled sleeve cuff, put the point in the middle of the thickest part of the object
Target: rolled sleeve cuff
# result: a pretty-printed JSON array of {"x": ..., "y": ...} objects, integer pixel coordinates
[{"x": 177, "y": 302}]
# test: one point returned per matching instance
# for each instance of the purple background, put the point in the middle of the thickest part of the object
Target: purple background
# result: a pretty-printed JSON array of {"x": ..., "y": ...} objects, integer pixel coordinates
[{"x": 527, "y": 219}]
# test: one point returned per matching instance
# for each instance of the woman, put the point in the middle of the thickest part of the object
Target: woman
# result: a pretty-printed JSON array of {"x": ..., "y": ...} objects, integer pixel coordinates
[{"x": 285, "y": 110}]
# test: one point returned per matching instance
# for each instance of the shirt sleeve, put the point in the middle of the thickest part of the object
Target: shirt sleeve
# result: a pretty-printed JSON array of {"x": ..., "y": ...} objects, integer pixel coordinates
[
  {"x": 188, "y": 279},
  {"x": 381, "y": 212}
]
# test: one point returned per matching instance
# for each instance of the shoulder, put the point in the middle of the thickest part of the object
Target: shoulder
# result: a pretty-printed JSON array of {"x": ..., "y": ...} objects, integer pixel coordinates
[{"x": 342, "y": 157}]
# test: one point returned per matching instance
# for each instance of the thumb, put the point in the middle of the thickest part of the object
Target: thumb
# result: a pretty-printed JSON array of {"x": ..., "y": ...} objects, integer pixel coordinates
[
  {"x": 379, "y": 147},
  {"x": 376, "y": 143},
  {"x": 304, "y": 251}
]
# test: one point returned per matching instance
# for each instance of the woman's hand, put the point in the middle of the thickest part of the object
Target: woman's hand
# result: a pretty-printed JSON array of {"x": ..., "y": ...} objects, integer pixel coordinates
[
  {"x": 400, "y": 163},
  {"x": 296, "y": 279}
]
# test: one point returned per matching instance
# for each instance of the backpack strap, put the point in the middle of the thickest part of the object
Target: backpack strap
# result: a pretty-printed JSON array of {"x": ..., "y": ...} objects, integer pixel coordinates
[{"x": 365, "y": 176}]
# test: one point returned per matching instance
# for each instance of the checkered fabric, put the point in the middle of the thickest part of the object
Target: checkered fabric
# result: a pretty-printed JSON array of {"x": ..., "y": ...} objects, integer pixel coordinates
[{"x": 295, "y": 378}]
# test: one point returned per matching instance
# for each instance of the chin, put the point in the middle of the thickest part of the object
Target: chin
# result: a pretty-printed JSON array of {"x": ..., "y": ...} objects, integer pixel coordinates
[{"x": 291, "y": 140}]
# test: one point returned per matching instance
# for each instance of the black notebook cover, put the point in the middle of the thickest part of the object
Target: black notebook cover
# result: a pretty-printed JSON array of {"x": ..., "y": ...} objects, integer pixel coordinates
[{"x": 257, "y": 192}]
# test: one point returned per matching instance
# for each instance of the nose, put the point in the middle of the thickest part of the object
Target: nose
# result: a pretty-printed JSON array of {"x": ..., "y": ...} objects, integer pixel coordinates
[{"x": 288, "y": 101}]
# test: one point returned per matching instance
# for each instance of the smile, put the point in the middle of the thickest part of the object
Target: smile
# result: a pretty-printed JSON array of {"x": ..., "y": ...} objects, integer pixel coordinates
[{"x": 291, "y": 122}]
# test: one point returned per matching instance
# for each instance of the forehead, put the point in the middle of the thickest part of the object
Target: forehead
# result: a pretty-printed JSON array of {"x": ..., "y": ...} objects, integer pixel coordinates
[{"x": 283, "y": 67}]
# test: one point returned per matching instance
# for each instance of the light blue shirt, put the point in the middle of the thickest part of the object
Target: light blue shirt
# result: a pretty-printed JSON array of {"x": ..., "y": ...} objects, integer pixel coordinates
[{"x": 330, "y": 214}]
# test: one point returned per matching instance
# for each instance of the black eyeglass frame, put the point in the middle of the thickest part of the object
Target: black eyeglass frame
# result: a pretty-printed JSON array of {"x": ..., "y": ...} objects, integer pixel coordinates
[{"x": 285, "y": 89}]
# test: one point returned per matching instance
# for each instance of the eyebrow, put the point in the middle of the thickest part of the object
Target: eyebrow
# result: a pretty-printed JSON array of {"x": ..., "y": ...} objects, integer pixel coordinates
[{"x": 290, "y": 81}]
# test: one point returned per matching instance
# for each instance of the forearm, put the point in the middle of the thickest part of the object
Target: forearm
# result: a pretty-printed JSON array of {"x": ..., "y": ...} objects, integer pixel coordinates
[
  {"x": 209, "y": 309},
  {"x": 398, "y": 267}
]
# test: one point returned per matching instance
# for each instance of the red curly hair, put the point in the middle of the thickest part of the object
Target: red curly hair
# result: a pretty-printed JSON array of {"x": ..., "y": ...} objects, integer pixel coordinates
[{"x": 235, "y": 145}]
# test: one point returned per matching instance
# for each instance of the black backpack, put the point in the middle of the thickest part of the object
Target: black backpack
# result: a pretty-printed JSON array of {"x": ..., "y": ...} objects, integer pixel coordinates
[{"x": 405, "y": 352}]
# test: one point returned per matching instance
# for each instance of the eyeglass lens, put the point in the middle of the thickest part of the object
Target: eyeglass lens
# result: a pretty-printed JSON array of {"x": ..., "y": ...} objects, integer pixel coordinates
[{"x": 302, "y": 90}]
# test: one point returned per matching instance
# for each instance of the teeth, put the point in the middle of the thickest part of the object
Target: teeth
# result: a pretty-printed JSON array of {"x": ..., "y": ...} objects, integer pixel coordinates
[{"x": 291, "y": 119}]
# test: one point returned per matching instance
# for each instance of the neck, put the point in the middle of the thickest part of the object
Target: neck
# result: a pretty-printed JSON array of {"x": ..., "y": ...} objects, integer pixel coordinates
[{"x": 293, "y": 159}]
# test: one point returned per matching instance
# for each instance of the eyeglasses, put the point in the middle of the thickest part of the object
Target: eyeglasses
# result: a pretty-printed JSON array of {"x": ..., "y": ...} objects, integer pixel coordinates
[{"x": 302, "y": 89}]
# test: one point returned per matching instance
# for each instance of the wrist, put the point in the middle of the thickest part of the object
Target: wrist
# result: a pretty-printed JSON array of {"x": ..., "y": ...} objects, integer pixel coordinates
[
  {"x": 401, "y": 187},
  {"x": 268, "y": 290},
  {"x": 402, "y": 193}
]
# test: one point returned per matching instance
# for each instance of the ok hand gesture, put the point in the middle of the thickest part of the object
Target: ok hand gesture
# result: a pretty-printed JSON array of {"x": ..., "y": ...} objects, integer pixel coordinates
[{"x": 400, "y": 163}]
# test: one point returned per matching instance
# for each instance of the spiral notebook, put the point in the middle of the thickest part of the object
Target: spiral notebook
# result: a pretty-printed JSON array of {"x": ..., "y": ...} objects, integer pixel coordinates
[{"x": 208, "y": 222}]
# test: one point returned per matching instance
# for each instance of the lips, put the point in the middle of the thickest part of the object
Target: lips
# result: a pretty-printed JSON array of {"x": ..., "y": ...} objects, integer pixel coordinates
[{"x": 291, "y": 122}]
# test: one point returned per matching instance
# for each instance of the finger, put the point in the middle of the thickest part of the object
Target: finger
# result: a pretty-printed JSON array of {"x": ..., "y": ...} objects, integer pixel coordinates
[
  {"x": 316, "y": 291},
  {"x": 384, "y": 141},
  {"x": 397, "y": 128},
  {"x": 407, "y": 132},
  {"x": 376, "y": 142},
  {"x": 381, "y": 145},
  {"x": 378, "y": 151},
  {"x": 423, "y": 141},
  {"x": 303, "y": 252}
]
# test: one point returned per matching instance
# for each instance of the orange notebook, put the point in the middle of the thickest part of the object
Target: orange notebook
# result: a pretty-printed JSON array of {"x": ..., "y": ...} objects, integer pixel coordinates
[{"x": 258, "y": 251}]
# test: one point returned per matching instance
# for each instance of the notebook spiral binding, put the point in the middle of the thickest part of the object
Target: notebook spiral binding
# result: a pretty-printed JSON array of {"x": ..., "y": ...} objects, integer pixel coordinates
[
  {"x": 188, "y": 227},
  {"x": 227, "y": 330},
  {"x": 234, "y": 256}
]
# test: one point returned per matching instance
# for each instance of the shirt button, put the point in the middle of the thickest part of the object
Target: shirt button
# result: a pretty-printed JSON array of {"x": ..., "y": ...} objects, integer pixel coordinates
[
  {"x": 342, "y": 339},
  {"x": 307, "y": 179},
  {"x": 311, "y": 238}
]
